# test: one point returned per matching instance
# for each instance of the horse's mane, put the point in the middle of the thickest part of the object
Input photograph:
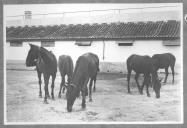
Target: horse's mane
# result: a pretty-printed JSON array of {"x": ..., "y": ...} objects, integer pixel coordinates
[{"x": 47, "y": 56}]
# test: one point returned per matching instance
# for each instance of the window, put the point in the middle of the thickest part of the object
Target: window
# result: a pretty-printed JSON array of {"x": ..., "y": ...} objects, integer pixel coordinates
[
  {"x": 171, "y": 42},
  {"x": 47, "y": 43},
  {"x": 83, "y": 43},
  {"x": 125, "y": 43},
  {"x": 16, "y": 43}
]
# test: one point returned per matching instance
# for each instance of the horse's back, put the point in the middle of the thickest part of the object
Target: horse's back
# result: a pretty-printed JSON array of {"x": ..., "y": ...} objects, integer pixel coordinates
[
  {"x": 88, "y": 63},
  {"x": 164, "y": 60},
  {"x": 47, "y": 62},
  {"x": 92, "y": 59},
  {"x": 65, "y": 64},
  {"x": 140, "y": 64}
]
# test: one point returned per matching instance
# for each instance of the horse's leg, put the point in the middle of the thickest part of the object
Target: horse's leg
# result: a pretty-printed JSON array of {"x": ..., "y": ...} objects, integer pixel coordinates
[
  {"x": 48, "y": 91},
  {"x": 136, "y": 79},
  {"x": 128, "y": 79},
  {"x": 61, "y": 84},
  {"x": 53, "y": 85},
  {"x": 46, "y": 80},
  {"x": 83, "y": 100},
  {"x": 94, "y": 79},
  {"x": 144, "y": 82},
  {"x": 85, "y": 85},
  {"x": 90, "y": 90},
  {"x": 39, "y": 82},
  {"x": 147, "y": 86},
  {"x": 166, "y": 71},
  {"x": 69, "y": 81},
  {"x": 173, "y": 73}
]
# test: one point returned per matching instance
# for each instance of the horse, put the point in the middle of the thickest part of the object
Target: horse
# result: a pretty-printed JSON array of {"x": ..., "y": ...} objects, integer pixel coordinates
[
  {"x": 65, "y": 65},
  {"x": 143, "y": 65},
  {"x": 46, "y": 63},
  {"x": 87, "y": 66},
  {"x": 165, "y": 61}
]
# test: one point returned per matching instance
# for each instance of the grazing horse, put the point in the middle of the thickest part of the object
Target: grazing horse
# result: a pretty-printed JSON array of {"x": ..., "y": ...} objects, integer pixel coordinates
[
  {"x": 143, "y": 65},
  {"x": 86, "y": 68},
  {"x": 65, "y": 65},
  {"x": 165, "y": 60},
  {"x": 46, "y": 63}
]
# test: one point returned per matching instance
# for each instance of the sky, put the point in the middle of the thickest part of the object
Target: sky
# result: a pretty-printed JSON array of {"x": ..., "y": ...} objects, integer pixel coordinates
[
  {"x": 132, "y": 12},
  {"x": 12, "y": 10}
]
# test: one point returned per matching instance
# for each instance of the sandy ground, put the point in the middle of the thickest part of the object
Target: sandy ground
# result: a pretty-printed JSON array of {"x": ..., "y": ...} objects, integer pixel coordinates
[{"x": 111, "y": 102}]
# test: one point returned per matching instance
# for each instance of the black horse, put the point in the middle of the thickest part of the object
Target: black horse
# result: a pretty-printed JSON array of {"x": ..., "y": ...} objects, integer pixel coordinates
[
  {"x": 86, "y": 68},
  {"x": 143, "y": 65},
  {"x": 65, "y": 65},
  {"x": 46, "y": 63},
  {"x": 165, "y": 61}
]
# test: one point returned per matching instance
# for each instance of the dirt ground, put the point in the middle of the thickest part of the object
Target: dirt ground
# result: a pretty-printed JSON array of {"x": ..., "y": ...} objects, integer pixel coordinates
[{"x": 111, "y": 102}]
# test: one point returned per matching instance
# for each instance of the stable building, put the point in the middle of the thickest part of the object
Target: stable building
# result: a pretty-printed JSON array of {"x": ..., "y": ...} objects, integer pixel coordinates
[{"x": 112, "y": 42}]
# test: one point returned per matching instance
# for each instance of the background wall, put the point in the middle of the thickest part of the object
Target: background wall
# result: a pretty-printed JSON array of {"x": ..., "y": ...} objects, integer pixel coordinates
[{"x": 114, "y": 56}]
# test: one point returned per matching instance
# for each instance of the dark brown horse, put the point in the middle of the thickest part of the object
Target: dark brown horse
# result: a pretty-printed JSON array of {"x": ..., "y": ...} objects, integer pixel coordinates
[
  {"x": 164, "y": 61},
  {"x": 143, "y": 65},
  {"x": 86, "y": 68},
  {"x": 45, "y": 63},
  {"x": 65, "y": 65}
]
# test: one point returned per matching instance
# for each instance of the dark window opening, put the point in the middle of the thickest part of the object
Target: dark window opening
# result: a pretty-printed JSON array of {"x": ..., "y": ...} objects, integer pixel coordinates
[
  {"x": 171, "y": 42},
  {"x": 125, "y": 44},
  {"x": 83, "y": 43},
  {"x": 16, "y": 44},
  {"x": 48, "y": 44}
]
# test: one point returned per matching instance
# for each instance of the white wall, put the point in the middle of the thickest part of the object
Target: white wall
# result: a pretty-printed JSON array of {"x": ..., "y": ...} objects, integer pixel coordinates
[
  {"x": 114, "y": 54},
  {"x": 61, "y": 47},
  {"x": 18, "y": 53},
  {"x": 69, "y": 48}
]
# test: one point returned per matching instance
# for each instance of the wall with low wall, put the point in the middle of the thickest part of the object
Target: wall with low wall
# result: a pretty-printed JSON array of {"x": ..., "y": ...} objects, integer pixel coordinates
[{"x": 112, "y": 57}]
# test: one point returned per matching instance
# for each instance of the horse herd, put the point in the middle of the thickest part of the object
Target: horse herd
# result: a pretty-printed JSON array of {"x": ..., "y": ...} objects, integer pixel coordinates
[{"x": 87, "y": 67}]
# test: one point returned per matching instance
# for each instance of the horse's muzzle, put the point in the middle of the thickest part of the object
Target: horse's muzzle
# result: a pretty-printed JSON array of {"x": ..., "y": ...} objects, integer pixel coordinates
[
  {"x": 69, "y": 109},
  {"x": 29, "y": 64},
  {"x": 157, "y": 96}
]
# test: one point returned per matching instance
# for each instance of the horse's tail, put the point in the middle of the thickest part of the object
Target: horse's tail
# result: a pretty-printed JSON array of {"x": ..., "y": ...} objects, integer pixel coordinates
[
  {"x": 98, "y": 65},
  {"x": 70, "y": 66},
  {"x": 172, "y": 60},
  {"x": 129, "y": 63},
  {"x": 60, "y": 64}
]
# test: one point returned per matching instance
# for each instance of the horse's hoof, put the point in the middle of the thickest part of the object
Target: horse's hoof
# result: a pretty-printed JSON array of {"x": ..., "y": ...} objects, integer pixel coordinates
[
  {"x": 45, "y": 102},
  {"x": 59, "y": 96},
  {"x": 40, "y": 96},
  {"x": 53, "y": 98},
  {"x": 148, "y": 95},
  {"x": 90, "y": 100},
  {"x": 84, "y": 106}
]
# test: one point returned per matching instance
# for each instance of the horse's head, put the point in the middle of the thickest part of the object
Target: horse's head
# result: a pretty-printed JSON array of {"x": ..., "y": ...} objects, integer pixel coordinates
[
  {"x": 71, "y": 95},
  {"x": 156, "y": 86},
  {"x": 32, "y": 55}
]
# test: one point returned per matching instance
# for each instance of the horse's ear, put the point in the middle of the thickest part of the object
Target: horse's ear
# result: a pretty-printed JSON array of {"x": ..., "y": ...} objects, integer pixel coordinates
[{"x": 30, "y": 45}]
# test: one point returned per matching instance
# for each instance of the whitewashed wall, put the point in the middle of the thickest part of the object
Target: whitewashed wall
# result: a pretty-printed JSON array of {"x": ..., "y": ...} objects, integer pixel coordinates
[
  {"x": 114, "y": 56},
  {"x": 115, "y": 53},
  {"x": 119, "y": 54}
]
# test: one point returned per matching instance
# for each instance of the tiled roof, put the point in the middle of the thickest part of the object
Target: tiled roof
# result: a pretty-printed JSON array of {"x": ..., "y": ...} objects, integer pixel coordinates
[{"x": 131, "y": 30}]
